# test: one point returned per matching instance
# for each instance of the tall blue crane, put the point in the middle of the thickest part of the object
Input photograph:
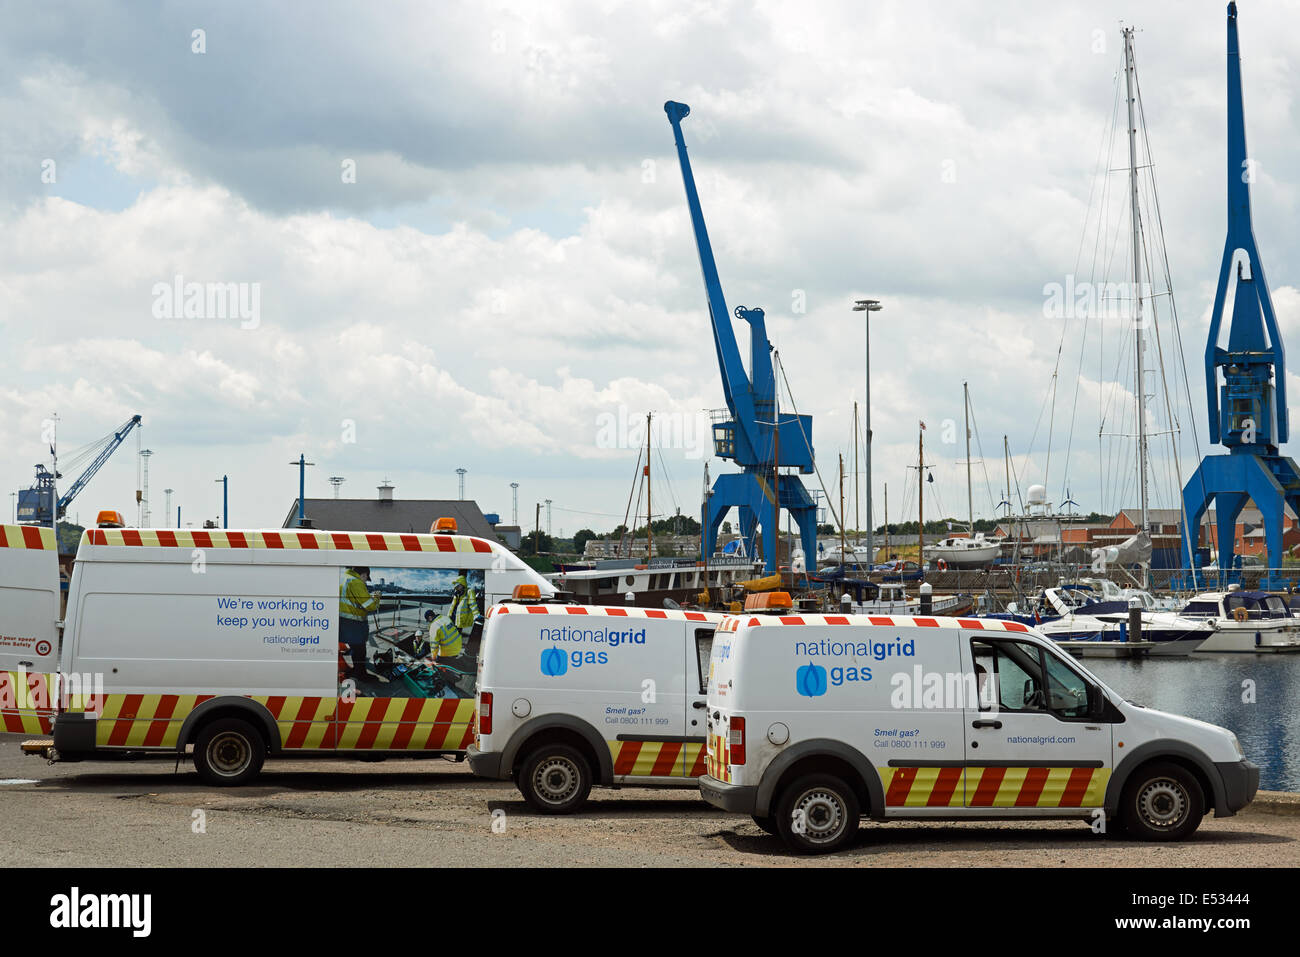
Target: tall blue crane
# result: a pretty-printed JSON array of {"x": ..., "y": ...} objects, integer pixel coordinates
[
  {"x": 1246, "y": 382},
  {"x": 34, "y": 504},
  {"x": 752, "y": 437}
]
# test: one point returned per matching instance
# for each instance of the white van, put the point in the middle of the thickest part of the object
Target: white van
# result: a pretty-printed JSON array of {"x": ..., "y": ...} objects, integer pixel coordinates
[
  {"x": 817, "y": 720},
  {"x": 29, "y": 628},
  {"x": 575, "y": 695},
  {"x": 284, "y": 642}
]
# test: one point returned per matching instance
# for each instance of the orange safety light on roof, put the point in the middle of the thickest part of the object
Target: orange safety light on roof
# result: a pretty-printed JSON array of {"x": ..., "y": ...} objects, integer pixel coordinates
[
  {"x": 769, "y": 601},
  {"x": 444, "y": 524},
  {"x": 108, "y": 518},
  {"x": 526, "y": 593}
]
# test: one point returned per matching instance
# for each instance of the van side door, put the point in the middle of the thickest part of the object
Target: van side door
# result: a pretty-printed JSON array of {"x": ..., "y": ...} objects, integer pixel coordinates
[
  {"x": 1038, "y": 735},
  {"x": 647, "y": 676}
]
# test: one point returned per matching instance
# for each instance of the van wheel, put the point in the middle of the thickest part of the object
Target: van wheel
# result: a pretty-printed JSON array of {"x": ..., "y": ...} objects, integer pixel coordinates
[
  {"x": 555, "y": 779},
  {"x": 766, "y": 823},
  {"x": 228, "y": 752},
  {"x": 1163, "y": 802},
  {"x": 817, "y": 814}
]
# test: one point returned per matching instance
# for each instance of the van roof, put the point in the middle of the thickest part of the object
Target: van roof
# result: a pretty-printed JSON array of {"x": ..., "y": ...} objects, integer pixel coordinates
[
  {"x": 734, "y": 622},
  {"x": 27, "y": 536},
  {"x": 600, "y": 610},
  {"x": 311, "y": 539}
]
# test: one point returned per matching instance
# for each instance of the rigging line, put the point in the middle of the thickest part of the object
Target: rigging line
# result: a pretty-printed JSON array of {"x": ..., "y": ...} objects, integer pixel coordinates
[
  {"x": 1107, "y": 134},
  {"x": 636, "y": 484},
  {"x": 1182, "y": 356},
  {"x": 808, "y": 445},
  {"x": 988, "y": 487}
]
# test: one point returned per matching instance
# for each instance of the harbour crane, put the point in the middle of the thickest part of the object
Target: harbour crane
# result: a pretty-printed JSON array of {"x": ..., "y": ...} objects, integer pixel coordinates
[
  {"x": 35, "y": 503},
  {"x": 1246, "y": 382},
  {"x": 752, "y": 434}
]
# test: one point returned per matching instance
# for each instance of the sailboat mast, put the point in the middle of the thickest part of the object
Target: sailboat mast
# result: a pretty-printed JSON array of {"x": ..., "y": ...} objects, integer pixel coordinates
[
  {"x": 920, "y": 495},
  {"x": 649, "y": 540},
  {"x": 872, "y": 558},
  {"x": 970, "y": 497},
  {"x": 857, "y": 499},
  {"x": 841, "y": 511},
  {"x": 1129, "y": 71},
  {"x": 1006, "y": 460}
]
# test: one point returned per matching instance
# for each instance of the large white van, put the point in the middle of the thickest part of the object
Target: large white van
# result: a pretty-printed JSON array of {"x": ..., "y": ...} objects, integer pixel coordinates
[
  {"x": 29, "y": 628},
  {"x": 575, "y": 695},
  {"x": 817, "y": 720},
  {"x": 253, "y": 643}
]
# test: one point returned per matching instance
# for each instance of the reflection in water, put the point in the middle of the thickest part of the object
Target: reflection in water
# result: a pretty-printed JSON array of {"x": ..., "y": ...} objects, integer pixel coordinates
[{"x": 1211, "y": 688}]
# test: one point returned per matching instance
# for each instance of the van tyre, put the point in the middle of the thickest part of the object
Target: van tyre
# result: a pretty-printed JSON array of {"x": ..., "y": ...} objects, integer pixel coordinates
[
  {"x": 818, "y": 814},
  {"x": 229, "y": 752},
  {"x": 555, "y": 779},
  {"x": 766, "y": 823},
  {"x": 1162, "y": 802}
]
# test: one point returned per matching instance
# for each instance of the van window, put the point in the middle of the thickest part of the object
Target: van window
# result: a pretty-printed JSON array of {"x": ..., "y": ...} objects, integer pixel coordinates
[
  {"x": 1012, "y": 676},
  {"x": 703, "y": 651},
  {"x": 1067, "y": 691},
  {"x": 1008, "y": 675}
]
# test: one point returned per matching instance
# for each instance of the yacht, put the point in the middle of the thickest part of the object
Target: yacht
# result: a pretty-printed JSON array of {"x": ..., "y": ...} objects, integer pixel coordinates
[
  {"x": 1245, "y": 621},
  {"x": 1071, "y": 613},
  {"x": 964, "y": 552}
]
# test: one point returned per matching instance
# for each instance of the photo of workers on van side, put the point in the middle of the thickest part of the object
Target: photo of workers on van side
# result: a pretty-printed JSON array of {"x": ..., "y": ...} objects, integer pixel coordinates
[{"x": 409, "y": 632}]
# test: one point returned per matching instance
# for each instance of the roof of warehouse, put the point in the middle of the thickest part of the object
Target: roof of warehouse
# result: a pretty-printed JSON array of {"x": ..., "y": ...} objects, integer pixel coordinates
[{"x": 398, "y": 515}]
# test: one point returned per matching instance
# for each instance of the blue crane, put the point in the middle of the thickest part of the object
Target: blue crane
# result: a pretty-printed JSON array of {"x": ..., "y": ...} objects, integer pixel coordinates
[
  {"x": 1246, "y": 382},
  {"x": 751, "y": 437},
  {"x": 34, "y": 504}
]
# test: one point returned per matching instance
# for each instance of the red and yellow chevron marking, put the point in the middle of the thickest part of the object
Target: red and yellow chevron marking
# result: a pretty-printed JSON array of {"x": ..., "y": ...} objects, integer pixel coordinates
[
  {"x": 142, "y": 720},
  {"x": 994, "y": 787},
  {"x": 305, "y": 722},
  {"x": 313, "y": 540},
  {"x": 25, "y": 703},
  {"x": 660, "y": 759},
  {"x": 27, "y": 536},
  {"x": 406, "y": 724},
  {"x": 719, "y": 760}
]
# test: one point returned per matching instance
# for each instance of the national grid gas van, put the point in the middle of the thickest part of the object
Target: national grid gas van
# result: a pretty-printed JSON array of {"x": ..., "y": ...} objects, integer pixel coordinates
[
  {"x": 248, "y": 644},
  {"x": 575, "y": 695},
  {"x": 815, "y": 721}
]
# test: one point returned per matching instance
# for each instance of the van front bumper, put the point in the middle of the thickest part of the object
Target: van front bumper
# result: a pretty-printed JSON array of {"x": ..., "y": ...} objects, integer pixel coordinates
[
  {"x": 485, "y": 765},
  {"x": 736, "y": 798},
  {"x": 1240, "y": 782}
]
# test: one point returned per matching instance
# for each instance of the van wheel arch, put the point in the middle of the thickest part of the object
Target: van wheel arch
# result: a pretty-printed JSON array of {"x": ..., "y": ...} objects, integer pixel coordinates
[
  {"x": 1167, "y": 752},
  {"x": 245, "y": 709},
  {"x": 822, "y": 757},
  {"x": 559, "y": 729}
]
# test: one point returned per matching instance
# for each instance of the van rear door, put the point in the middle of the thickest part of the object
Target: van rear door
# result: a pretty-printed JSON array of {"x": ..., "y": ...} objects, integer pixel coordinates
[
  {"x": 1031, "y": 738},
  {"x": 29, "y": 637},
  {"x": 699, "y": 648}
]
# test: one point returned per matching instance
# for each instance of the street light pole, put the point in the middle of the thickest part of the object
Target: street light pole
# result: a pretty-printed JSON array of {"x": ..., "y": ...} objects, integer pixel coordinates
[{"x": 868, "y": 306}]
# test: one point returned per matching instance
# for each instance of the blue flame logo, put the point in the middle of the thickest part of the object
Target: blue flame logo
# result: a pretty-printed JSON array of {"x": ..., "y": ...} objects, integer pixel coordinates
[
  {"x": 554, "y": 662},
  {"x": 810, "y": 680}
]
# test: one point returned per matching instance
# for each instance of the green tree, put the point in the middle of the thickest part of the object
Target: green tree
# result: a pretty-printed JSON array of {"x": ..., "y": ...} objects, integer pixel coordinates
[{"x": 580, "y": 539}]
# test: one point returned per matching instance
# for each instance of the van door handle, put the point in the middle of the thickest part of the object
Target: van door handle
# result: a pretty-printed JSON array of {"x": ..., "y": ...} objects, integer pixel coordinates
[
  {"x": 986, "y": 723},
  {"x": 700, "y": 704}
]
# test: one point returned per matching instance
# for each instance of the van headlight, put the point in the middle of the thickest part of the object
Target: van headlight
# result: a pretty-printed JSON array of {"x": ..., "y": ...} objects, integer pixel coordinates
[{"x": 1237, "y": 744}]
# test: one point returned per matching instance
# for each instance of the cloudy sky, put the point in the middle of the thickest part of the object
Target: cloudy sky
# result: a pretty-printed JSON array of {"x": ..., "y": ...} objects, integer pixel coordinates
[{"x": 465, "y": 230}]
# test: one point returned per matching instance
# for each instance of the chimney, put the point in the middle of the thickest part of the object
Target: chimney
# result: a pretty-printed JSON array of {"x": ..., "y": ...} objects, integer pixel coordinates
[{"x": 386, "y": 492}]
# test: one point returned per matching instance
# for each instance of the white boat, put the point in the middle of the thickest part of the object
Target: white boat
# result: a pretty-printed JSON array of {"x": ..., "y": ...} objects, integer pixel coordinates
[
  {"x": 964, "y": 552},
  {"x": 1245, "y": 621},
  {"x": 1070, "y": 613}
]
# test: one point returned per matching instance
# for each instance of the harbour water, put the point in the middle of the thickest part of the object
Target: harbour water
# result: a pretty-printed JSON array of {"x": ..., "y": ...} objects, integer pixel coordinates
[{"x": 1212, "y": 688}]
